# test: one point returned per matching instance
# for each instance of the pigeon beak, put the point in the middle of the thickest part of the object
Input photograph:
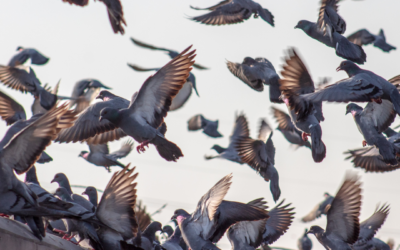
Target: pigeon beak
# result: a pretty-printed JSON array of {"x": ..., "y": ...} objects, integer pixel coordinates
[
  {"x": 173, "y": 217},
  {"x": 296, "y": 27},
  {"x": 52, "y": 181},
  {"x": 338, "y": 69},
  {"x": 100, "y": 119},
  {"x": 84, "y": 193},
  {"x": 99, "y": 97},
  {"x": 347, "y": 112}
]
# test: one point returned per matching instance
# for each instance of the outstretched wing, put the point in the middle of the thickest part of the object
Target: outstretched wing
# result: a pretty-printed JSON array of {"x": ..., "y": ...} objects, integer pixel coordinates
[{"x": 10, "y": 110}]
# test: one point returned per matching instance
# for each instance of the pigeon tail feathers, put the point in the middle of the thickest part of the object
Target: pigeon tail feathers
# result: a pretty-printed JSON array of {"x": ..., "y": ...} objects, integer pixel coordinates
[{"x": 167, "y": 150}]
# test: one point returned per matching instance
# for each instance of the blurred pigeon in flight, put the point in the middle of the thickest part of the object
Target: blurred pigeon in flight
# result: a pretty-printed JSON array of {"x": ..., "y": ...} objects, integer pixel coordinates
[
  {"x": 209, "y": 127},
  {"x": 84, "y": 92},
  {"x": 319, "y": 209},
  {"x": 364, "y": 37},
  {"x": 329, "y": 21},
  {"x": 304, "y": 243},
  {"x": 37, "y": 108},
  {"x": 24, "y": 54}
]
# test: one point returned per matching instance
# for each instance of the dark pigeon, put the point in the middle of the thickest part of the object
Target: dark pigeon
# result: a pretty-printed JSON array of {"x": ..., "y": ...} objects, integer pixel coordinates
[
  {"x": 213, "y": 216},
  {"x": 304, "y": 243},
  {"x": 36, "y": 105},
  {"x": 100, "y": 155},
  {"x": 256, "y": 73},
  {"x": 343, "y": 227},
  {"x": 24, "y": 54},
  {"x": 171, "y": 53},
  {"x": 233, "y": 11},
  {"x": 148, "y": 108},
  {"x": 148, "y": 237},
  {"x": 84, "y": 92},
  {"x": 240, "y": 129},
  {"x": 329, "y": 21},
  {"x": 297, "y": 81},
  {"x": 260, "y": 155},
  {"x": 209, "y": 127},
  {"x": 319, "y": 209},
  {"x": 172, "y": 243},
  {"x": 364, "y": 37},
  {"x": 91, "y": 192},
  {"x": 344, "y": 48}
]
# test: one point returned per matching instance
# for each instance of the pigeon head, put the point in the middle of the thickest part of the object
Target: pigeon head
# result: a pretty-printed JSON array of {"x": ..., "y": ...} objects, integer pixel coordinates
[
  {"x": 90, "y": 191},
  {"x": 249, "y": 61},
  {"x": 316, "y": 230},
  {"x": 97, "y": 84},
  {"x": 60, "y": 178},
  {"x": 218, "y": 148},
  {"x": 154, "y": 227},
  {"x": 105, "y": 95},
  {"x": 304, "y": 25},
  {"x": 110, "y": 114},
  {"x": 168, "y": 230},
  {"x": 353, "y": 109},
  {"x": 19, "y": 48},
  {"x": 350, "y": 68},
  {"x": 327, "y": 195},
  {"x": 62, "y": 193},
  {"x": 84, "y": 154},
  {"x": 180, "y": 215}
]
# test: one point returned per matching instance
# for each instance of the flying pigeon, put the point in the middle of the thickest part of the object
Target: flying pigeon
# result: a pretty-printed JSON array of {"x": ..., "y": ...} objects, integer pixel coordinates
[
  {"x": 24, "y": 54},
  {"x": 297, "y": 81},
  {"x": 233, "y": 11},
  {"x": 213, "y": 216},
  {"x": 209, "y": 127},
  {"x": 364, "y": 37},
  {"x": 304, "y": 243},
  {"x": 260, "y": 155},
  {"x": 84, "y": 92},
  {"x": 319, "y": 209},
  {"x": 37, "y": 108},
  {"x": 329, "y": 21},
  {"x": 256, "y": 73},
  {"x": 99, "y": 155}
]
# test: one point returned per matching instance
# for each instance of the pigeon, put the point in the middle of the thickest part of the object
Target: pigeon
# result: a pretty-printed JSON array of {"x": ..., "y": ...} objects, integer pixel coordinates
[
  {"x": 319, "y": 209},
  {"x": 114, "y": 10},
  {"x": 256, "y": 73},
  {"x": 297, "y": 81},
  {"x": 343, "y": 227},
  {"x": 288, "y": 129},
  {"x": 172, "y": 243},
  {"x": 148, "y": 108},
  {"x": 183, "y": 95},
  {"x": 24, "y": 79},
  {"x": 371, "y": 122},
  {"x": 37, "y": 107},
  {"x": 369, "y": 227},
  {"x": 304, "y": 243},
  {"x": 376, "y": 243},
  {"x": 344, "y": 48},
  {"x": 148, "y": 237},
  {"x": 24, "y": 54},
  {"x": 168, "y": 230},
  {"x": 171, "y": 53},
  {"x": 91, "y": 192},
  {"x": 233, "y": 11},
  {"x": 329, "y": 21},
  {"x": 364, "y": 37},
  {"x": 99, "y": 155},
  {"x": 209, "y": 127},
  {"x": 84, "y": 92},
  {"x": 260, "y": 155},
  {"x": 250, "y": 235},
  {"x": 240, "y": 129},
  {"x": 213, "y": 216}
]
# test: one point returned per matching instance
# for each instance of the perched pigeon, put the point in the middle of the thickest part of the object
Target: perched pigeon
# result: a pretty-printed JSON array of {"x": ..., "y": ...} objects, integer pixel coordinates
[
  {"x": 209, "y": 127},
  {"x": 371, "y": 122},
  {"x": 329, "y": 21},
  {"x": 319, "y": 209},
  {"x": 256, "y": 73},
  {"x": 168, "y": 230},
  {"x": 297, "y": 81},
  {"x": 84, "y": 92},
  {"x": 91, "y": 192},
  {"x": 148, "y": 237},
  {"x": 249, "y": 235},
  {"x": 239, "y": 129},
  {"x": 183, "y": 95},
  {"x": 213, "y": 216},
  {"x": 24, "y": 54},
  {"x": 114, "y": 10},
  {"x": 288, "y": 129},
  {"x": 364, "y": 37},
  {"x": 148, "y": 108},
  {"x": 343, "y": 227},
  {"x": 99, "y": 155},
  {"x": 304, "y": 243},
  {"x": 172, "y": 243},
  {"x": 344, "y": 48},
  {"x": 260, "y": 155},
  {"x": 171, "y": 53},
  {"x": 233, "y": 11}
]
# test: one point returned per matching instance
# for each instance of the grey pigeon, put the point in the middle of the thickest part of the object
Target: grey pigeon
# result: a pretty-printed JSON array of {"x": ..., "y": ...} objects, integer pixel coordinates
[
  {"x": 369, "y": 227},
  {"x": 379, "y": 244},
  {"x": 209, "y": 127},
  {"x": 343, "y": 226},
  {"x": 91, "y": 192},
  {"x": 99, "y": 155},
  {"x": 319, "y": 209},
  {"x": 24, "y": 79},
  {"x": 172, "y": 243},
  {"x": 249, "y": 235},
  {"x": 230, "y": 153},
  {"x": 168, "y": 230},
  {"x": 36, "y": 105},
  {"x": 371, "y": 122},
  {"x": 297, "y": 81},
  {"x": 329, "y": 21},
  {"x": 304, "y": 243},
  {"x": 84, "y": 92},
  {"x": 287, "y": 128},
  {"x": 256, "y": 73},
  {"x": 344, "y": 48},
  {"x": 183, "y": 95},
  {"x": 114, "y": 10},
  {"x": 213, "y": 216},
  {"x": 233, "y": 11},
  {"x": 364, "y": 37},
  {"x": 259, "y": 154},
  {"x": 24, "y": 54},
  {"x": 148, "y": 108},
  {"x": 171, "y": 53},
  {"x": 148, "y": 237}
]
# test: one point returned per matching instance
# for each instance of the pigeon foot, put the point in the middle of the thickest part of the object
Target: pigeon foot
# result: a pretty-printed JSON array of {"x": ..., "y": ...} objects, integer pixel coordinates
[
  {"x": 364, "y": 143},
  {"x": 141, "y": 148},
  {"x": 4, "y": 215},
  {"x": 305, "y": 136},
  {"x": 378, "y": 100}
]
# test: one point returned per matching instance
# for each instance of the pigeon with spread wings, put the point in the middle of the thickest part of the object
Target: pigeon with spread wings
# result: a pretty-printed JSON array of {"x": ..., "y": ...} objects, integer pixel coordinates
[
  {"x": 24, "y": 54},
  {"x": 364, "y": 37},
  {"x": 209, "y": 127}
]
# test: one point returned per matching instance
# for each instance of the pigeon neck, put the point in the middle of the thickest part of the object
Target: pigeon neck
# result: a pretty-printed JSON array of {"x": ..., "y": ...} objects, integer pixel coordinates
[
  {"x": 93, "y": 199},
  {"x": 352, "y": 71},
  {"x": 65, "y": 184},
  {"x": 31, "y": 176}
]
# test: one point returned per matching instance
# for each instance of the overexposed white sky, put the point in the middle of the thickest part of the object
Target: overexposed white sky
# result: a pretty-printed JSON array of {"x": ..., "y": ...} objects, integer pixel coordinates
[{"x": 81, "y": 44}]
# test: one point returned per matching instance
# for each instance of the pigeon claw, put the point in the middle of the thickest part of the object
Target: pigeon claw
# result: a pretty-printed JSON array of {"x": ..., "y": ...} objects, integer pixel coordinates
[
  {"x": 4, "y": 215},
  {"x": 141, "y": 147},
  {"x": 378, "y": 100},
  {"x": 364, "y": 143},
  {"x": 305, "y": 136}
]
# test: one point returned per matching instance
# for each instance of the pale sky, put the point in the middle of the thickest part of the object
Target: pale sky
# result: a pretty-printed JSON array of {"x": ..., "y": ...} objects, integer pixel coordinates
[{"x": 81, "y": 44}]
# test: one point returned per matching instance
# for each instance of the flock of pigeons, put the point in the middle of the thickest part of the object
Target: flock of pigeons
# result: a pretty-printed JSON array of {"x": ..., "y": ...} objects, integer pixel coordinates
[{"x": 118, "y": 221}]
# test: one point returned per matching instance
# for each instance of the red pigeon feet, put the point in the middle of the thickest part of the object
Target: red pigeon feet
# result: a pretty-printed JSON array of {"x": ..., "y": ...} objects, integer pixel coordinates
[
  {"x": 364, "y": 143},
  {"x": 305, "y": 136},
  {"x": 4, "y": 215},
  {"x": 141, "y": 148},
  {"x": 379, "y": 100}
]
